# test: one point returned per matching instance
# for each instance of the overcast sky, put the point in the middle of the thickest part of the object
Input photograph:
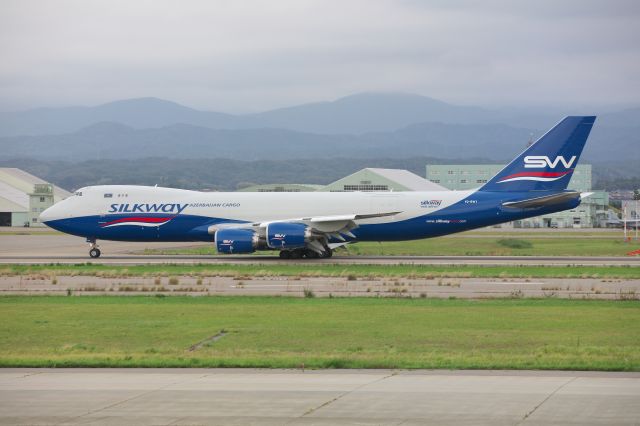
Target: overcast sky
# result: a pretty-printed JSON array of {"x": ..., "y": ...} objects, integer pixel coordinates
[{"x": 245, "y": 56}]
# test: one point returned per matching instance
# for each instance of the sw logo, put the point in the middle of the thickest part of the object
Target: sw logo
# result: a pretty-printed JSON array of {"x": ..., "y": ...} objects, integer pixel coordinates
[{"x": 541, "y": 162}]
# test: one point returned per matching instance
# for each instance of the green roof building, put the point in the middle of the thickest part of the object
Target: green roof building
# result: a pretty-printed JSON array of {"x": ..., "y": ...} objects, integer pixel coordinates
[
  {"x": 374, "y": 179},
  {"x": 281, "y": 187},
  {"x": 369, "y": 179}
]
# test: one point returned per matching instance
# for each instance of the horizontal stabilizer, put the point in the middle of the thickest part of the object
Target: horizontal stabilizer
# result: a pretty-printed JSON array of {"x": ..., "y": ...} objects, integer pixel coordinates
[{"x": 546, "y": 201}]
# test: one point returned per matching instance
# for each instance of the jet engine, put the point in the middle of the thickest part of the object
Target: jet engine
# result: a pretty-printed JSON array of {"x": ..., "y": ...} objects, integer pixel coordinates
[
  {"x": 231, "y": 241},
  {"x": 287, "y": 236}
]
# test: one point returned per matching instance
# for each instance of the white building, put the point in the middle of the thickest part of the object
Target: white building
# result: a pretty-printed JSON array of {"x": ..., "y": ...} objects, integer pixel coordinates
[
  {"x": 630, "y": 209},
  {"x": 24, "y": 196},
  {"x": 369, "y": 179},
  {"x": 374, "y": 179}
]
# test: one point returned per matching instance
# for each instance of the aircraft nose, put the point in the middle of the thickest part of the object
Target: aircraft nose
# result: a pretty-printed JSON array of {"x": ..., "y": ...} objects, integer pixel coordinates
[
  {"x": 50, "y": 214},
  {"x": 57, "y": 216}
]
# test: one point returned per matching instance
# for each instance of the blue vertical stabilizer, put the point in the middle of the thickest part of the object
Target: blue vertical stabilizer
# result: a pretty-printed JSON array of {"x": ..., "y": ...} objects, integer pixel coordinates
[{"x": 548, "y": 164}]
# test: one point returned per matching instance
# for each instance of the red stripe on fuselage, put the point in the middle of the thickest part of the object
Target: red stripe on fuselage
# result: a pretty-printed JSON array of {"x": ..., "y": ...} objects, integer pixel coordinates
[
  {"x": 536, "y": 174},
  {"x": 139, "y": 219}
]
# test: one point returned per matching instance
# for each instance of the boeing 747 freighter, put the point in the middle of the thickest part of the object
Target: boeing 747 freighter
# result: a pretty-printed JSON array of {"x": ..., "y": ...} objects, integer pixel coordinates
[{"x": 313, "y": 224}]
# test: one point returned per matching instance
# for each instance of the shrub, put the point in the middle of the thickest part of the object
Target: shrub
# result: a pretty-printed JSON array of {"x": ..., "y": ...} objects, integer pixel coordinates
[{"x": 515, "y": 243}]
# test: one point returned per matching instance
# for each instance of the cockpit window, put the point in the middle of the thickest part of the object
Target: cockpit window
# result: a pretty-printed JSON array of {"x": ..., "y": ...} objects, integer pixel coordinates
[
  {"x": 108, "y": 195},
  {"x": 78, "y": 193}
]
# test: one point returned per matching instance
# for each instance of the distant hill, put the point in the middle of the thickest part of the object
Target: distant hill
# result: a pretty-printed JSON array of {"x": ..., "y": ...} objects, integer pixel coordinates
[
  {"x": 497, "y": 142},
  {"x": 371, "y": 112},
  {"x": 209, "y": 174},
  {"x": 138, "y": 113},
  {"x": 365, "y": 126},
  {"x": 356, "y": 114},
  {"x": 226, "y": 174},
  {"x": 116, "y": 141}
]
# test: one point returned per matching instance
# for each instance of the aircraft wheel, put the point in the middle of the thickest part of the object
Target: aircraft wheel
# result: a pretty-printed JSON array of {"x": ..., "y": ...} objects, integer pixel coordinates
[
  {"x": 285, "y": 254},
  {"x": 296, "y": 254},
  {"x": 94, "y": 253},
  {"x": 328, "y": 253},
  {"x": 310, "y": 254}
]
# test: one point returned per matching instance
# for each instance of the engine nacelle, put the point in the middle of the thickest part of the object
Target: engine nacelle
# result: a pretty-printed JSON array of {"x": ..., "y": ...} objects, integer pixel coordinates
[
  {"x": 231, "y": 241},
  {"x": 284, "y": 235}
]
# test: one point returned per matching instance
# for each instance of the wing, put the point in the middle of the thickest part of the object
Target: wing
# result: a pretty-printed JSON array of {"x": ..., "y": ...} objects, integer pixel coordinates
[{"x": 318, "y": 232}]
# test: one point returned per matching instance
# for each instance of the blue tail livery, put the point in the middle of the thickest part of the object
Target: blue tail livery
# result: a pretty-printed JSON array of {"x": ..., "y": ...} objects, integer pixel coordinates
[{"x": 547, "y": 165}]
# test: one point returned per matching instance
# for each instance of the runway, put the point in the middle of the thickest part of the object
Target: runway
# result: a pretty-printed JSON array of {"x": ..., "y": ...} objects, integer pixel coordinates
[
  {"x": 327, "y": 397},
  {"x": 346, "y": 260},
  {"x": 59, "y": 248}
]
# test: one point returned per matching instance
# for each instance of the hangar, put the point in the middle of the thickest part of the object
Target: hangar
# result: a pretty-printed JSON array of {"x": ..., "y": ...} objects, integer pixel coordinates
[
  {"x": 374, "y": 179},
  {"x": 24, "y": 196},
  {"x": 592, "y": 212},
  {"x": 369, "y": 179},
  {"x": 281, "y": 187}
]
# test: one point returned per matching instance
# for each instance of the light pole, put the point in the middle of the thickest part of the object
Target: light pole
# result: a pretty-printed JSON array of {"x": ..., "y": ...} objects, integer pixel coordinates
[
  {"x": 624, "y": 221},
  {"x": 637, "y": 222}
]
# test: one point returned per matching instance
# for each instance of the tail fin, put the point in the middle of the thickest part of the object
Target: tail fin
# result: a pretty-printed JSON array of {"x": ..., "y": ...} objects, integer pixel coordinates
[{"x": 548, "y": 164}]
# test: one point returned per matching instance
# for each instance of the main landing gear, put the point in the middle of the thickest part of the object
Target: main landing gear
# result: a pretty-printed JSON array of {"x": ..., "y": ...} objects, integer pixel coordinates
[
  {"x": 94, "y": 251},
  {"x": 305, "y": 254}
]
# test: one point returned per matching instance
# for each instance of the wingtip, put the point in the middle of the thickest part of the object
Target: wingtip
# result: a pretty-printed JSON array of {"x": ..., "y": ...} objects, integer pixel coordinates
[{"x": 587, "y": 119}]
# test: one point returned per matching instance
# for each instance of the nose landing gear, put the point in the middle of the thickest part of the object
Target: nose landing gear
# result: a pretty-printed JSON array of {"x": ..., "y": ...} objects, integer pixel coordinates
[{"x": 94, "y": 251}]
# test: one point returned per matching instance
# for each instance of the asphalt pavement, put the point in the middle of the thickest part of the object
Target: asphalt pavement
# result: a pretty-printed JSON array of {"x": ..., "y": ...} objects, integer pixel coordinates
[
  {"x": 59, "y": 248},
  {"x": 326, "y": 397}
]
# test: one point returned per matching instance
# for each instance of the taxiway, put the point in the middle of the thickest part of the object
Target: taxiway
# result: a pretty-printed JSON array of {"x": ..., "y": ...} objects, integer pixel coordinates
[
  {"x": 294, "y": 397},
  {"x": 39, "y": 248}
]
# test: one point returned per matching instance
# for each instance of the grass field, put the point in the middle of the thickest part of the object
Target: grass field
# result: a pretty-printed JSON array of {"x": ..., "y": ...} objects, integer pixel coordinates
[
  {"x": 319, "y": 333},
  {"x": 476, "y": 244},
  {"x": 325, "y": 270}
]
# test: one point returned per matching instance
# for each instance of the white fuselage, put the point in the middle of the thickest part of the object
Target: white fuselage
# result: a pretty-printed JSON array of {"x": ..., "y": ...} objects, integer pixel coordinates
[{"x": 250, "y": 206}]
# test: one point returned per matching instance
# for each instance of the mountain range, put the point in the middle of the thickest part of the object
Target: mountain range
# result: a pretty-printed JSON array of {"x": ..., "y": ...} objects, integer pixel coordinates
[
  {"x": 365, "y": 125},
  {"x": 355, "y": 114}
]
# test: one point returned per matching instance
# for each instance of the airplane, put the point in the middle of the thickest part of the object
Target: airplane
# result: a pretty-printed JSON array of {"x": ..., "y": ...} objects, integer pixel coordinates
[
  {"x": 613, "y": 221},
  {"x": 313, "y": 224}
]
